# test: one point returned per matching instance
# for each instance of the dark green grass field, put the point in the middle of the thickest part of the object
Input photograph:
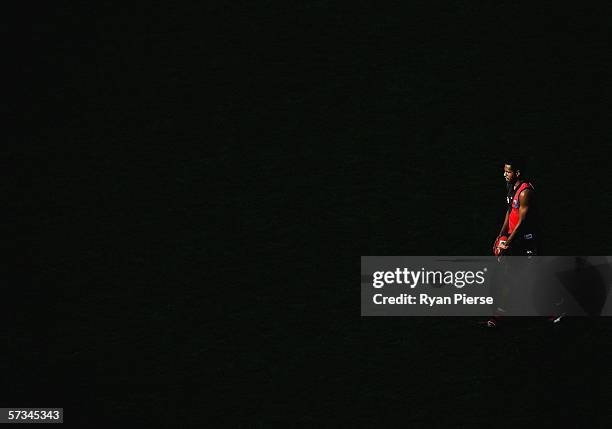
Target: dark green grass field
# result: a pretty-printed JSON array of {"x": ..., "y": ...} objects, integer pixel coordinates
[{"x": 199, "y": 185}]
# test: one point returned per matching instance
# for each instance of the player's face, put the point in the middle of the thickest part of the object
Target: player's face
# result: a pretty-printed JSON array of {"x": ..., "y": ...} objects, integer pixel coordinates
[{"x": 509, "y": 174}]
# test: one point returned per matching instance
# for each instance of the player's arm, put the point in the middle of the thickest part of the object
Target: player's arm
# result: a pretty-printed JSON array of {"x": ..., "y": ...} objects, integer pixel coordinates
[
  {"x": 524, "y": 200},
  {"x": 504, "y": 228}
]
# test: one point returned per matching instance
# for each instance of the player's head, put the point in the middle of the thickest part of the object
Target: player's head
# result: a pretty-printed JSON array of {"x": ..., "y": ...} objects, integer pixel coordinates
[{"x": 514, "y": 169}]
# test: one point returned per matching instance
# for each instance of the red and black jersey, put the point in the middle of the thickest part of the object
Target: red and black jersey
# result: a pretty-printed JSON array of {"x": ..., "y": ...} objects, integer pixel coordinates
[
  {"x": 514, "y": 204},
  {"x": 527, "y": 242}
]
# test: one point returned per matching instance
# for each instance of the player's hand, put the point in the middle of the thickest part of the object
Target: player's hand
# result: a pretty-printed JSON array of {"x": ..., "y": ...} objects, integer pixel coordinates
[
  {"x": 495, "y": 243},
  {"x": 503, "y": 251},
  {"x": 503, "y": 248}
]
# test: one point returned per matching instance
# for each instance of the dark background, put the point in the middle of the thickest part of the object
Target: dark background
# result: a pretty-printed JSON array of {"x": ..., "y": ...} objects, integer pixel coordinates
[{"x": 193, "y": 188}]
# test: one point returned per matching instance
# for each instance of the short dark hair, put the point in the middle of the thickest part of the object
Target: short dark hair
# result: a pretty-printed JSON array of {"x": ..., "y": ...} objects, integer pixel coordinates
[{"x": 516, "y": 163}]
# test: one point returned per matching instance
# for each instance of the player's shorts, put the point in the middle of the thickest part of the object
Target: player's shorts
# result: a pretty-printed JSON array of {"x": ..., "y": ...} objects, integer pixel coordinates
[{"x": 526, "y": 245}]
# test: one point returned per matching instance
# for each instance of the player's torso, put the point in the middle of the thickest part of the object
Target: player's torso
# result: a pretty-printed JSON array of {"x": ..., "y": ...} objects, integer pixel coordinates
[{"x": 529, "y": 225}]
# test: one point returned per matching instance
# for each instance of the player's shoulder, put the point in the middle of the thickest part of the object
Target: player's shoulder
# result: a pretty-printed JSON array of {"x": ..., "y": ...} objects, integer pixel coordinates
[{"x": 526, "y": 193}]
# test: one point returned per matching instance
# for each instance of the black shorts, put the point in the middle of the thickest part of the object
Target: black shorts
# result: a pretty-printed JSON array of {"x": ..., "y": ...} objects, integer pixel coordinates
[{"x": 526, "y": 245}]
